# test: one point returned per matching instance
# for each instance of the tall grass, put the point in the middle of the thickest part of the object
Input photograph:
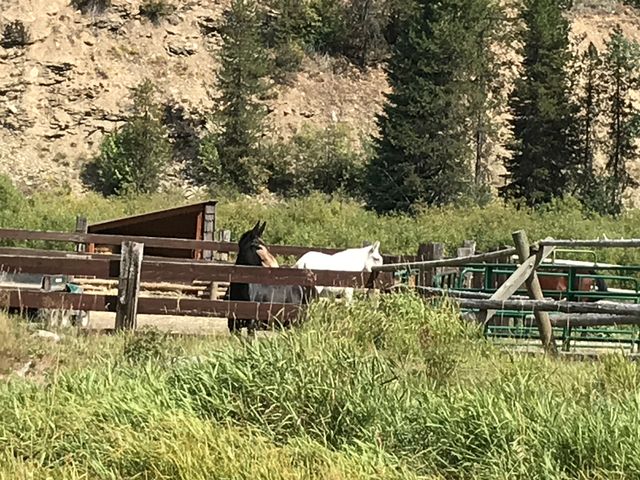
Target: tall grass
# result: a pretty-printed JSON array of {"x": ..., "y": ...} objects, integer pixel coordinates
[
  {"x": 389, "y": 389},
  {"x": 320, "y": 221}
]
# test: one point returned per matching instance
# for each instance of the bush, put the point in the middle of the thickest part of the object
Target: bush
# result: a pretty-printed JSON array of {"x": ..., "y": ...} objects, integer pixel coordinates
[
  {"x": 15, "y": 34},
  {"x": 156, "y": 10},
  {"x": 91, "y": 6},
  {"x": 288, "y": 59},
  {"x": 315, "y": 159},
  {"x": 133, "y": 157}
]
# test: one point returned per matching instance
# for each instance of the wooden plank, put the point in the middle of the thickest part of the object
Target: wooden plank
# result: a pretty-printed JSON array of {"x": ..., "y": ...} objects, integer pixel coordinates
[
  {"x": 546, "y": 305},
  {"x": 447, "y": 262},
  {"x": 156, "y": 242},
  {"x": 129, "y": 285},
  {"x": 188, "y": 272},
  {"x": 619, "y": 243},
  {"x": 150, "y": 306},
  {"x": 81, "y": 227},
  {"x": 515, "y": 281},
  {"x": 535, "y": 292},
  {"x": 163, "y": 242}
]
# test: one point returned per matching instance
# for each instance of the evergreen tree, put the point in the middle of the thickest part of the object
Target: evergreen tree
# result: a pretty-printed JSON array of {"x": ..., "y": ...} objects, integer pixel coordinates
[
  {"x": 424, "y": 153},
  {"x": 485, "y": 23},
  {"x": 622, "y": 64},
  {"x": 589, "y": 186},
  {"x": 365, "y": 42},
  {"x": 241, "y": 81},
  {"x": 543, "y": 151}
]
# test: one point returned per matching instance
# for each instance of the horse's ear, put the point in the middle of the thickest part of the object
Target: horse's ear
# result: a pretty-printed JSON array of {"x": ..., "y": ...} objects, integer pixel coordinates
[
  {"x": 375, "y": 247},
  {"x": 256, "y": 228},
  {"x": 261, "y": 231}
]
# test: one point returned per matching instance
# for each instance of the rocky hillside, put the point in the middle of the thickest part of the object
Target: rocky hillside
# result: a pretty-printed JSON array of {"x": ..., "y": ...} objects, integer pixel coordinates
[{"x": 60, "y": 94}]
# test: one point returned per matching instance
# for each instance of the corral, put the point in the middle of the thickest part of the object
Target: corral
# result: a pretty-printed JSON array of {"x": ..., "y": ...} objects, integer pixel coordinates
[{"x": 177, "y": 286}]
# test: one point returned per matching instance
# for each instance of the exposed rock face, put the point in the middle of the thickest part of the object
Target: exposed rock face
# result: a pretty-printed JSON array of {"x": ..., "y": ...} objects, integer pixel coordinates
[{"x": 69, "y": 86}]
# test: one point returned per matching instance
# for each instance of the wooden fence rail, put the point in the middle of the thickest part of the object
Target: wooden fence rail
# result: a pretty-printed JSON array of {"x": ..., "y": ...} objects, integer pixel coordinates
[
  {"x": 163, "y": 242},
  {"x": 188, "y": 272},
  {"x": 147, "y": 305}
]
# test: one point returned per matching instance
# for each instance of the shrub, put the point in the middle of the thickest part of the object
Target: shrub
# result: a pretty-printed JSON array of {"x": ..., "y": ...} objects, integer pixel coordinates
[
  {"x": 156, "y": 10},
  {"x": 10, "y": 197},
  {"x": 15, "y": 34},
  {"x": 91, "y": 6},
  {"x": 133, "y": 157},
  {"x": 288, "y": 58},
  {"x": 323, "y": 160}
]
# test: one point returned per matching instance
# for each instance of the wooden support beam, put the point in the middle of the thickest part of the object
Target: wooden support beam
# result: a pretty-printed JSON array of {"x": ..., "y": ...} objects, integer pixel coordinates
[
  {"x": 129, "y": 285},
  {"x": 515, "y": 281},
  {"x": 620, "y": 243},
  {"x": 546, "y": 305},
  {"x": 447, "y": 262},
  {"x": 535, "y": 292}
]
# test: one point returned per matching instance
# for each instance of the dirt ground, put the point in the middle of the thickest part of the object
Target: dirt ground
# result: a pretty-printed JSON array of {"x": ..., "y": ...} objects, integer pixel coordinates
[{"x": 166, "y": 323}]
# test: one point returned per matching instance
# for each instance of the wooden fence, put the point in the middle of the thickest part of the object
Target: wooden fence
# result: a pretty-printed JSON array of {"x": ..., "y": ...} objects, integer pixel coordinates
[{"x": 131, "y": 268}]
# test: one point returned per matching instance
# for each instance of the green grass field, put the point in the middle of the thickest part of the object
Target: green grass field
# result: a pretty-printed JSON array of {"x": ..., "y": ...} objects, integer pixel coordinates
[
  {"x": 393, "y": 389},
  {"x": 321, "y": 221}
]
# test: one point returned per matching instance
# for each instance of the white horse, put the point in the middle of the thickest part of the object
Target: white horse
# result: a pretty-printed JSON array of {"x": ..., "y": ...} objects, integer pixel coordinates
[{"x": 350, "y": 260}]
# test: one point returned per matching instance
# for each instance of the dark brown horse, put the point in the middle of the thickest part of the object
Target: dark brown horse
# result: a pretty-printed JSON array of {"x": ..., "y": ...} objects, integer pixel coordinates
[
  {"x": 252, "y": 251},
  {"x": 557, "y": 284}
]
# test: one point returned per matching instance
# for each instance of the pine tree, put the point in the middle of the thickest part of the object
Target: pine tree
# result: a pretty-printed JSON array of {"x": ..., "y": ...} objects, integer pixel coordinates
[
  {"x": 241, "y": 81},
  {"x": 589, "y": 186},
  {"x": 543, "y": 157},
  {"x": 486, "y": 29},
  {"x": 622, "y": 64},
  {"x": 424, "y": 153},
  {"x": 365, "y": 42}
]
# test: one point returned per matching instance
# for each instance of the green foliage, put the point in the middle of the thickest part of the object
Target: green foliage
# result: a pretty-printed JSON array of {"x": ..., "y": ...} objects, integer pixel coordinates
[
  {"x": 15, "y": 34},
  {"x": 365, "y": 40},
  {"x": 156, "y": 10},
  {"x": 133, "y": 157},
  {"x": 590, "y": 187},
  {"x": 424, "y": 153},
  {"x": 91, "y": 6},
  {"x": 621, "y": 67},
  {"x": 11, "y": 199},
  {"x": 241, "y": 81},
  {"x": 543, "y": 160},
  {"x": 316, "y": 159}
]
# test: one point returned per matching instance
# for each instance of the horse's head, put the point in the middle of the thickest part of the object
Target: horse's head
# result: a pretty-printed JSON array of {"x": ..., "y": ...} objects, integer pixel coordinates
[
  {"x": 252, "y": 249},
  {"x": 373, "y": 257}
]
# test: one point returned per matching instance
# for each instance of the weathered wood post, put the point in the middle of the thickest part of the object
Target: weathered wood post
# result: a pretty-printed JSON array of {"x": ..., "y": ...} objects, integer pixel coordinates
[
  {"x": 208, "y": 229},
  {"x": 535, "y": 292},
  {"x": 82, "y": 226},
  {"x": 468, "y": 249},
  {"x": 129, "y": 285},
  {"x": 429, "y": 251}
]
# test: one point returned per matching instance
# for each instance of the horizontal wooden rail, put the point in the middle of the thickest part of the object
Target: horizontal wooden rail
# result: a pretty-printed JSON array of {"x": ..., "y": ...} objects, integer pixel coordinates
[
  {"x": 188, "y": 272},
  {"x": 619, "y": 243},
  {"x": 163, "y": 242},
  {"x": 148, "y": 305},
  {"x": 610, "y": 308},
  {"x": 447, "y": 262}
]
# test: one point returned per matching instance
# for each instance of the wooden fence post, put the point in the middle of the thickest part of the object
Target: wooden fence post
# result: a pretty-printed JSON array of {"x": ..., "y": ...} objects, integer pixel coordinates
[
  {"x": 208, "y": 229},
  {"x": 468, "y": 249},
  {"x": 535, "y": 292},
  {"x": 129, "y": 285},
  {"x": 429, "y": 251},
  {"x": 81, "y": 227}
]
